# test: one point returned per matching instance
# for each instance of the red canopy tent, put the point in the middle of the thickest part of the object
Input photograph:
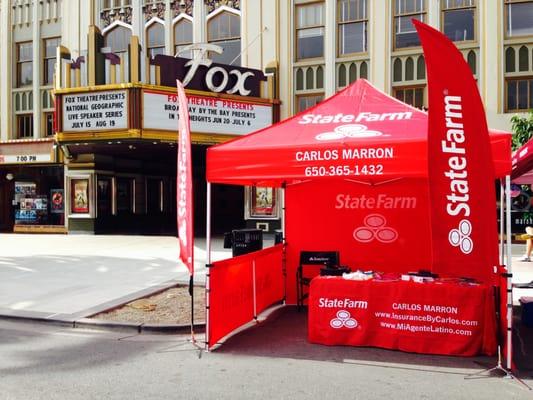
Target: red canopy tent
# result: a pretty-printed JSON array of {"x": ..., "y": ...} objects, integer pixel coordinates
[{"x": 353, "y": 159}]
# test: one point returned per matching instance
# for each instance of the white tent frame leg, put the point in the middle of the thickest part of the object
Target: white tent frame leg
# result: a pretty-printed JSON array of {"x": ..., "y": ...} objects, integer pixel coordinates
[
  {"x": 502, "y": 223},
  {"x": 509, "y": 277},
  {"x": 207, "y": 263},
  {"x": 284, "y": 242},
  {"x": 509, "y": 265},
  {"x": 505, "y": 255}
]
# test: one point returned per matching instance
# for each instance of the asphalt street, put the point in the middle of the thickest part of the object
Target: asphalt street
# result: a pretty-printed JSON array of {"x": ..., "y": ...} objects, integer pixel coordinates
[
  {"x": 270, "y": 361},
  {"x": 273, "y": 361}
]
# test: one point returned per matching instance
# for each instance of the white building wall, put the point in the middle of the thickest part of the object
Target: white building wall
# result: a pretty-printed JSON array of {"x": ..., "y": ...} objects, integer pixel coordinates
[
  {"x": 379, "y": 43},
  {"x": 75, "y": 26},
  {"x": 267, "y": 34},
  {"x": 268, "y": 42},
  {"x": 286, "y": 17},
  {"x": 5, "y": 70},
  {"x": 25, "y": 21},
  {"x": 37, "y": 70}
]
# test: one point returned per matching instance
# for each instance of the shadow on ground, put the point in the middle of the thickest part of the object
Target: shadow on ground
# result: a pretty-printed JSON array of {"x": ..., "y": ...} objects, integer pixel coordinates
[
  {"x": 44, "y": 353},
  {"x": 284, "y": 335}
]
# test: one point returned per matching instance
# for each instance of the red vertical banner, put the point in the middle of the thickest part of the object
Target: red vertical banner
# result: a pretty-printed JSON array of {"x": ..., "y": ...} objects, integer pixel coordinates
[
  {"x": 460, "y": 168},
  {"x": 184, "y": 183}
]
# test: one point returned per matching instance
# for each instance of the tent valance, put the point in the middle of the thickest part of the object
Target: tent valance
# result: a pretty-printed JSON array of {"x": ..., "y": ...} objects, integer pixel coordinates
[{"x": 360, "y": 133}]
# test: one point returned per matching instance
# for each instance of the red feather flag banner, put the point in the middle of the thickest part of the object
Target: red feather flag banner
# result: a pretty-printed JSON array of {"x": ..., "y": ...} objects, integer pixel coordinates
[
  {"x": 184, "y": 184},
  {"x": 460, "y": 171}
]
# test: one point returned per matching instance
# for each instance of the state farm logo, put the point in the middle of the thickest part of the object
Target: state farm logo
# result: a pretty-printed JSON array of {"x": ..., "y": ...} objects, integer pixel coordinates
[
  {"x": 375, "y": 228},
  {"x": 458, "y": 196},
  {"x": 460, "y": 237},
  {"x": 348, "y": 131},
  {"x": 343, "y": 320}
]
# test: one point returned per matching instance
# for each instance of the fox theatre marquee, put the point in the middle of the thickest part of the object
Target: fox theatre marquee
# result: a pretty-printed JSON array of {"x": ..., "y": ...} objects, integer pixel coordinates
[
  {"x": 224, "y": 102},
  {"x": 119, "y": 139}
]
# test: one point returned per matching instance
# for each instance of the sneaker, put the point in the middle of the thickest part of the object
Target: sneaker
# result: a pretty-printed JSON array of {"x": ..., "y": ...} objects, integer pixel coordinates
[{"x": 525, "y": 259}]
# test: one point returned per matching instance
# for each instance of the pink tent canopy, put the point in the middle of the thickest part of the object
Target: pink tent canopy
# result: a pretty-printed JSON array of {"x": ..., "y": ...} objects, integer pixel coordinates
[{"x": 522, "y": 164}]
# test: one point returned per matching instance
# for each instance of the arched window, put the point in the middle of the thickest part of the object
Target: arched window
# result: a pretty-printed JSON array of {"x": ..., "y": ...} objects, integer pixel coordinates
[
  {"x": 420, "y": 68},
  {"x": 353, "y": 72},
  {"x": 509, "y": 60},
  {"x": 118, "y": 39},
  {"x": 363, "y": 70},
  {"x": 224, "y": 30},
  {"x": 342, "y": 75},
  {"x": 319, "y": 78},
  {"x": 409, "y": 69},
  {"x": 182, "y": 36},
  {"x": 397, "y": 74},
  {"x": 299, "y": 79},
  {"x": 471, "y": 59},
  {"x": 155, "y": 39},
  {"x": 523, "y": 59},
  {"x": 309, "y": 78}
]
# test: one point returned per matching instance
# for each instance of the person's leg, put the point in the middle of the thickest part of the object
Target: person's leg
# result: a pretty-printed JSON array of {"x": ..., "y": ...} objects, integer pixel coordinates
[{"x": 529, "y": 249}]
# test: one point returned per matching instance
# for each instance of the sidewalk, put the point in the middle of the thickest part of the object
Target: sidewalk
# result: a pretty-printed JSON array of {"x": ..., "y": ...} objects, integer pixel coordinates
[
  {"x": 65, "y": 277},
  {"x": 522, "y": 272}
]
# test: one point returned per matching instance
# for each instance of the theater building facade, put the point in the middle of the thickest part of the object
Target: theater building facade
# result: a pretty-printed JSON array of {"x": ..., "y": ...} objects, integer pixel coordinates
[
  {"x": 119, "y": 139},
  {"x": 110, "y": 165},
  {"x": 87, "y": 93}
]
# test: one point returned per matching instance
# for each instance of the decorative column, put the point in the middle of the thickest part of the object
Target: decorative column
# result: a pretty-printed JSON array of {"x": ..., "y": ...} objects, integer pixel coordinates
[
  {"x": 199, "y": 32},
  {"x": 285, "y": 50},
  {"x": 169, "y": 48},
  {"x": 6, "y": 60},
  {"x": 330, "y": 51},
  {"x": 433, "y": 14},
  {"x": 490, "y": 64},
  {"x": 36, "y": 47},
  {"x": 137, "y": 23},
  {"x": 379, "y": 43}
]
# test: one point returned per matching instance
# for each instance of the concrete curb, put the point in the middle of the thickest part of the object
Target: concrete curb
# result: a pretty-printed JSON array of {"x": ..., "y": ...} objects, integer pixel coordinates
[
  {"x": 170, "y": 329},
  {"x": 100, "y": 324},
  {"x": 82, "y": 320},
  {"x": 39, "y": 320},
  {"x": 106, "y": 325},
  {"x": 122, "y": 301}
]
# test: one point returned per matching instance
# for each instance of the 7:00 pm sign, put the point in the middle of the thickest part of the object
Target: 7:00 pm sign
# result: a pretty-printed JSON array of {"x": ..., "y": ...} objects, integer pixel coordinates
[{"x": 25, "y": 158}]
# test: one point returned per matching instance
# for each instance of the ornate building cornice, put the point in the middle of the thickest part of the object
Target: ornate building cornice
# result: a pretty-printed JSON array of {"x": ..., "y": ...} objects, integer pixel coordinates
[
  {"x": 181, "y": 6},
  {"x": 111, "y": 15},
  {"x": 154, "y": 10},
  {"x": 212, "y": 5}
]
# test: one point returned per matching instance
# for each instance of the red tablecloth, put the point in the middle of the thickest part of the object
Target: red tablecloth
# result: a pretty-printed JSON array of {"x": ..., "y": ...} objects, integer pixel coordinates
[{"x": 435, "y": 318}]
